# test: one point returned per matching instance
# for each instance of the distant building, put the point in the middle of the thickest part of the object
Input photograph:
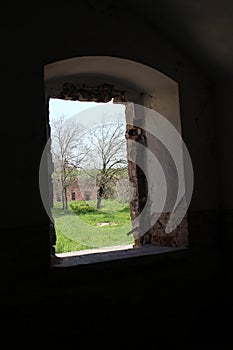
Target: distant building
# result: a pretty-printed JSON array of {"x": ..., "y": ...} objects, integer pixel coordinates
[{"x": 81, "y": 189}]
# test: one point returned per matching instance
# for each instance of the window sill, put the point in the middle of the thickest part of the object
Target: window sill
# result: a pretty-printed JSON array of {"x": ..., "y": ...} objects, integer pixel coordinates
[{"x": 107, "y": 254}]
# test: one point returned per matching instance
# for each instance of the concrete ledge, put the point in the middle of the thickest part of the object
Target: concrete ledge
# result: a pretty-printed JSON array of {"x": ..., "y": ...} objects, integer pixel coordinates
[{"x": 91, "y": 256}]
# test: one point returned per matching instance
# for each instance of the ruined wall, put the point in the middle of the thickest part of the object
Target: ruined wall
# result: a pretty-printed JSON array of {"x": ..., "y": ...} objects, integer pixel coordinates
[
  {"x": 24, "y": 129},
  {"x": 177, "y": 294},
  {"x": 137, "y": 182},
  {"x": 156, "y": 174}
]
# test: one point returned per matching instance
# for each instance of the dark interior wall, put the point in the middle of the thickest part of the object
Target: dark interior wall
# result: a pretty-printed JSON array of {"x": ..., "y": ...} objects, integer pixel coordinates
[
  {"x": 224, "y": 108},
  {"x": 63, "y": 36},
  {"x": 30, "y": 45},
  {"x": 54, "y": 35}
]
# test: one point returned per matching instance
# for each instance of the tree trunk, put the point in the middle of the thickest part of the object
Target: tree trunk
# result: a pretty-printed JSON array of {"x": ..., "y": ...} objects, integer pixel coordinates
[
  {"x": 99, "y": 197},
  {"x": 64, "y": 199},
  {"x": 98, "y": 206},
  {"x": 65, "y": 195}
]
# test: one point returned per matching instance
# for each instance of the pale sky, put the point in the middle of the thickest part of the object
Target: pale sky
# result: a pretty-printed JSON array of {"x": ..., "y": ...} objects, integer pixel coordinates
[
  {"x": 58, "y": 107},
  {"x": 86, "y": 112}
]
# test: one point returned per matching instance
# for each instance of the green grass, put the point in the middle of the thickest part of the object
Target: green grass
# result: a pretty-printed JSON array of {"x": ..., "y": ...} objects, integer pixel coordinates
[
  {"x": 65, "y": 244},
  {"x": 77, "y": 232}
]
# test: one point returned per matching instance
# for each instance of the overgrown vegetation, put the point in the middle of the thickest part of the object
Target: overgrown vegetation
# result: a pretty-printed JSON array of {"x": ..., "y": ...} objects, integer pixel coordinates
[{"x": 82, "y": 207}]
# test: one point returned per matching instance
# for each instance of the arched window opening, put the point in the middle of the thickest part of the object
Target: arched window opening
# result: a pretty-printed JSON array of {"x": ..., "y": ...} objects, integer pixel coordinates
[{"x": 147, "y": 97}]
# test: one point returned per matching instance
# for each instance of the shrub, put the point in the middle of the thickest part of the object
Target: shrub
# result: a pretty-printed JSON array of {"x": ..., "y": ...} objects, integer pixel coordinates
[{"x": 81, "y": 207}]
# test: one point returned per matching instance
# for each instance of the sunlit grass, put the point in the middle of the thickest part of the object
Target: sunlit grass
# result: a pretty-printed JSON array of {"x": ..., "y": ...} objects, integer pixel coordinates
[{"x": 83, "y": 231}]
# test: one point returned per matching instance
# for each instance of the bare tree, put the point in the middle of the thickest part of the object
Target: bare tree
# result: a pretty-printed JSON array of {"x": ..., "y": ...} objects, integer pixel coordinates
[
  {"x": 107, "y": 154},
  {"x": 68, "y": 152}
]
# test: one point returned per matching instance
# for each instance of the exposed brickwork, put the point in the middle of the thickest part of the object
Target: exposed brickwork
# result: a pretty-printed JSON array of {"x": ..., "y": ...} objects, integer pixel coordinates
[
  {"x": 177, "y": 238},
  {"x": 138, "y": 182},
  {"x": 100, "y": 93}
]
